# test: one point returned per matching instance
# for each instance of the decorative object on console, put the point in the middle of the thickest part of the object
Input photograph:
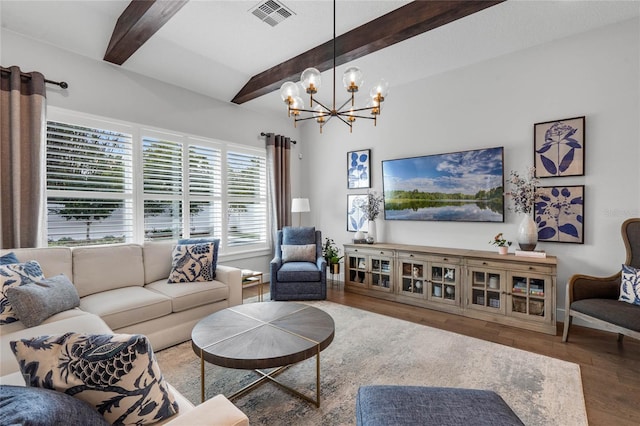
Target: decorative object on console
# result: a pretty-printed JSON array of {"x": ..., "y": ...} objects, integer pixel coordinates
[
  {"x": 559, "y": 147},
  {"x": 352, "y": 80},
  {"x": 370, "y": 207},
  {"x": 356, "y": 221},
  {"x": 523, "y": 195},
  {"x": 117, "y": 374},
  {"x": 428, "y": 187},
  {"x": 359, "y": 169},
  {"x": 502, "y": 244},
  {"x": 560, "y": 214}
]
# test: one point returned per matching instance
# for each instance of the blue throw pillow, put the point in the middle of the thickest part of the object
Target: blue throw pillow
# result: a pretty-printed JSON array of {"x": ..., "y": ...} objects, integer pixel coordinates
[
  {"x": 298, "y": 235},
  {"x": 216, "y": 244},
  {"x": 14, "y": 275},
  {"x": 8, "y": 259},
  {"x": 21, "y": 405}
]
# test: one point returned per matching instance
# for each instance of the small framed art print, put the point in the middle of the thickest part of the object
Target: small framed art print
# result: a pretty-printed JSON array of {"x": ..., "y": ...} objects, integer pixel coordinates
[
  {"x": 559, "y": 147},
  {"x": 359, "y": 169}
]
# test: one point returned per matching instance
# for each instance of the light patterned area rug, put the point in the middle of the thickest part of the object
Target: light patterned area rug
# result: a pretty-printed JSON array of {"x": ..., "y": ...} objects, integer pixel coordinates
[{"x": 369, "y": 348}]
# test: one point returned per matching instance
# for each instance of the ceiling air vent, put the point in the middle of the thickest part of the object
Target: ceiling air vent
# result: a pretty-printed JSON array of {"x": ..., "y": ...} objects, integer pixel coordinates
[{"x": 271, "y": 12}]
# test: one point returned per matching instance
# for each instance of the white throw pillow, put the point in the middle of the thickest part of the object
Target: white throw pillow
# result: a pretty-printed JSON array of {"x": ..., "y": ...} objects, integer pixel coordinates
[
  {"x": 630, "y": 285},
  {"x": 299, "y": 253}
]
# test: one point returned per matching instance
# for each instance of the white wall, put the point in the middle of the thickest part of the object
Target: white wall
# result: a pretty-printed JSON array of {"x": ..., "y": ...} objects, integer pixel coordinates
[
  {"x": 496, "y": 103},
  {"x": 104, "y": 89}
]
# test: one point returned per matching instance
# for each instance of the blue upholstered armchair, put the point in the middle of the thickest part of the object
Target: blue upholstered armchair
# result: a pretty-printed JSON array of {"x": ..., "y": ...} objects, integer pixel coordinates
[{"x": 298, "y": 270}]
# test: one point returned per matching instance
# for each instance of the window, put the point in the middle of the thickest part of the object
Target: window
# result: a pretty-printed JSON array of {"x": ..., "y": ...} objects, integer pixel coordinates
[{"x": 95, "y": 195}]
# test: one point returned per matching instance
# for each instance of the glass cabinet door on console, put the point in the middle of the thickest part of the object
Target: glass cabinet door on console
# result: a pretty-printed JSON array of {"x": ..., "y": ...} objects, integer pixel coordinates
[
  {"x": 528, "y": 296},
  {"x": 444, "y": 282},
  {"x": 486, "y": 290},
  {"x": 413, "y": 277},
  {"x": 372, "y": 269}
]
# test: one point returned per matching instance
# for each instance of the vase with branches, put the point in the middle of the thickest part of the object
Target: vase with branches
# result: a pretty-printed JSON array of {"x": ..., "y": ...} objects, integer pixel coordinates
[{"x": 523, "y": 195}]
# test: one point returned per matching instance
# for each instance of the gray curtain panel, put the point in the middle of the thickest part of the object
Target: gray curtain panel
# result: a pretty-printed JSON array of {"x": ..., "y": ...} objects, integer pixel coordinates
[
  {"x": 279, "y": 172},
  {"x": 22, "y": 145}
]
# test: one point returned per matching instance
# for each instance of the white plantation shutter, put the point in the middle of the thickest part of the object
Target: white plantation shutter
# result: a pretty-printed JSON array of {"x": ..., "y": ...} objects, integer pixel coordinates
[
  {"x": 162, "y": 187},
  {"x": 89, "y": 184},
  {"x": 246, "y": 199},
  {"x": 113, "y": 182},
  {"x": 205, "y": 191}
]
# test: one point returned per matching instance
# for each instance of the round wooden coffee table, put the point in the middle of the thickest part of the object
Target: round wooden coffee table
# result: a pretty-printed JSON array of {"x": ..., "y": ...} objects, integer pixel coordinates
[{"x": 263, "y": 335}]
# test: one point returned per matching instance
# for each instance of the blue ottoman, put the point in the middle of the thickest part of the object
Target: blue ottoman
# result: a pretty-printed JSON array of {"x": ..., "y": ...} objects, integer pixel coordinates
[{"x": 419, "y": 405}]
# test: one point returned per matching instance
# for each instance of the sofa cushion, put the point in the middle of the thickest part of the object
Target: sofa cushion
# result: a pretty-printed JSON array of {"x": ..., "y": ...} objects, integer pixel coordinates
[
  {"x": 122, "y": 307},
  {"x": 298, "y": 235},
  {"x": 34, "y": 406},
  {"x": 298, "y": 271},
  {"x": 191, "y": 295},
  {"x": 413, "y": 405},
  {"x": 8, "y": 258},
  {"x": 610, "y": 310},
  {"x": 630, "y": 285},
  {"x": 36, "y": 301},
  {"x": 97, "y": 269},
  {"x": 192, "y": 262},
  {"x": 157, "y": 260},
  {"x": 14, "y": 275},
  {"x": 117, "y": 374},
  {"x": 216, "y": 246},
  {"x": 72, "y": 320},
  {"x": 298, "y": 253},
  {"x": 52, "y": 260}
]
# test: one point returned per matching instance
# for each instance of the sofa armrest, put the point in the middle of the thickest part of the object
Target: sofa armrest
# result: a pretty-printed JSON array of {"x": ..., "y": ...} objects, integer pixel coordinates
[
  {"x": 216, "y": 411},
  {"x": 582, "y": 287},
  {"x": 232, "y": 277}
]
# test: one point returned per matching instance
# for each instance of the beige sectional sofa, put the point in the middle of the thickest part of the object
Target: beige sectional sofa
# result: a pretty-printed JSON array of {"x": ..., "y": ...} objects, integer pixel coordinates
[{"x": 124, "y": 289}]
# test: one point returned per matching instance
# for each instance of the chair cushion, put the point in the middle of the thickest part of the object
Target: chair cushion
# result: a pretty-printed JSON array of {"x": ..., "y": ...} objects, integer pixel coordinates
[
  {"x": 14, "y": 275},
  {"x": 192, "y": 262},
  {"x": 298, "y": 271},
  {"x": 298, "y": 235},
  {"x": 418, "y": 405},
  {"x": 35, "y": 406},
  {"x": 610, "y": 310},
  {"x": 630, "y": 285},
  {"x": 116, "y": 373},
  {"x": 36, "y": 301},
  {"x": 299, "y": 253}
]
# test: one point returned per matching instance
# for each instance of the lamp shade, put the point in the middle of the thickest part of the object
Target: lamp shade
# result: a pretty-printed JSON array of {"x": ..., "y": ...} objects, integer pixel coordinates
[{"x": 300, "y": 205}]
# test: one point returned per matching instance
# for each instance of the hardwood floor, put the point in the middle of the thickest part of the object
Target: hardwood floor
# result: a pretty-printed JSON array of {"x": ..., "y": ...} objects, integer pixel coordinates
[{"x": 610, "y": 370}]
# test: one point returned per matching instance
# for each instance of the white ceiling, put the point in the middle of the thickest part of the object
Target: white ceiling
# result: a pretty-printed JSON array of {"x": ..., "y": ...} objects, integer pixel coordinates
[{"x": 214, "y": 47}]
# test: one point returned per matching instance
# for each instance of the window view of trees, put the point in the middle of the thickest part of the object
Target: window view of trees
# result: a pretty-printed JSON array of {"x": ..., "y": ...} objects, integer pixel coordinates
[{"x": 91, "y": 188}]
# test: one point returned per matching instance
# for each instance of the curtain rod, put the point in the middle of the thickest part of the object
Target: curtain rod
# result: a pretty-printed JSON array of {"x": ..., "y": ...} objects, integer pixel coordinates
[
  {"x": 265, "y": 134},
  {"x": 62, "y": 84}
]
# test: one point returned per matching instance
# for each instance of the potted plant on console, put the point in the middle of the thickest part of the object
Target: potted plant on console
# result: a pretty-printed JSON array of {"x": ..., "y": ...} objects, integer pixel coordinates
[
  {"x": 331, "y": 254},
  {"x": 502, "y": 244}
]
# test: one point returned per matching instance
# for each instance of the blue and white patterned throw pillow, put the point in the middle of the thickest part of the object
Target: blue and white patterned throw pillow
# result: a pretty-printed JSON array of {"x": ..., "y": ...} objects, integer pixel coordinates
[
  {"x": 115, "y": 373},
  {"x": 14, "y": 275},
  {"x": 630, "y": 285},
  {"x": 192, "y": 262}
]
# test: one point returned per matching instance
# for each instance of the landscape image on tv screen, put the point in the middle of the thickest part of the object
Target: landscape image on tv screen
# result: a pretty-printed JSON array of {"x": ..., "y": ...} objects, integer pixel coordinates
[{"x": 464, "y": 186}]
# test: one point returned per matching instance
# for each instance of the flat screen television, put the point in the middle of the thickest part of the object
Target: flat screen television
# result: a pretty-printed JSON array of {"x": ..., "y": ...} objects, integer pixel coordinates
[{"x": 465, "y": 186}]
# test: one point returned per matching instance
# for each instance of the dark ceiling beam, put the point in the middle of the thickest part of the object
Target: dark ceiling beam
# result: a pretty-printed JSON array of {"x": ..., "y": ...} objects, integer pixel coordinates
[
  {"x": 405, "y": 22},
  {"x": 139, "y": 21}
]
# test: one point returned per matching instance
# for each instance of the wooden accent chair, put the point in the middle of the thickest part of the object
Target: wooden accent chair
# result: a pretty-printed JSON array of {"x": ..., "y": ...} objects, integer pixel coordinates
[{"x": 595, "y": 299}]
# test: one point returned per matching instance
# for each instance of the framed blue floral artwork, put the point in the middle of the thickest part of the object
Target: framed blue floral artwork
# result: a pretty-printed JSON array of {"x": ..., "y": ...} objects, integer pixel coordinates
[
  {"x": 356, "y": 220},
  {"x": 559, "y": 214},
  {"x": 559, "y": 147},
  {"x": 359, "y": 169}
]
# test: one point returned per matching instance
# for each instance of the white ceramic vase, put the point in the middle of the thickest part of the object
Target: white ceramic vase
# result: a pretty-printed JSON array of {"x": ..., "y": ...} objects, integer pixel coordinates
[
  {"x": 371, "y": 233},
  {"x": 527, "y": 233}
]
